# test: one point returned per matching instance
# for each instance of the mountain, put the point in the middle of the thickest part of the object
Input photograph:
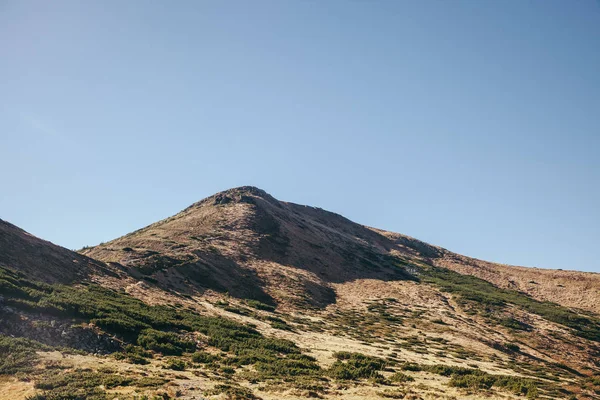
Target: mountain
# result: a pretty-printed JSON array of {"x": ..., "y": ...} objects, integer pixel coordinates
[
  {"x": 244, "y": 234},
  {"x": 245, "y": 242},
  {"x": 43, "y": 260},
  {"x": 243, "y": 296}
]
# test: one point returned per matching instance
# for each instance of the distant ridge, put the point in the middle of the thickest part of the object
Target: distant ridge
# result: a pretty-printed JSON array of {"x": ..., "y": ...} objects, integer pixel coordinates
[{"x": 43, "y": 260}]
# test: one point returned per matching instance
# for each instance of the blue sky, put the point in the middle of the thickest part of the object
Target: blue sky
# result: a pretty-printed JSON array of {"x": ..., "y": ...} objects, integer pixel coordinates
[{"x": 474, "y": 125}]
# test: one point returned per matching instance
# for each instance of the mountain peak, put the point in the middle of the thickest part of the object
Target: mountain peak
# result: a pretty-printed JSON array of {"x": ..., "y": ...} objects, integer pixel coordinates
[{"x": 241, "y": 194}]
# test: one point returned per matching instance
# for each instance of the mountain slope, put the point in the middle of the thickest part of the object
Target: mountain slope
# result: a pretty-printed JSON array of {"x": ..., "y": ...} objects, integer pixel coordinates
[
  {"x": 242, "y": 296},
  {"x": 568, "y": 288},
  {"x": 249, "y": 244},
  {"x": 43, "y": 260},
  {"x": 246, "y": 235}
]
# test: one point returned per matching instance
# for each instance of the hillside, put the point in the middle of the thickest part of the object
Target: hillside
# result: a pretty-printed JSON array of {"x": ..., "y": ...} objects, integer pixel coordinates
[
  {"x": 243, "y": 296},
  {"x": 43, "y": 260},
  {"x": 568, "y": 288},
  {"x": 246, "y": 233}
]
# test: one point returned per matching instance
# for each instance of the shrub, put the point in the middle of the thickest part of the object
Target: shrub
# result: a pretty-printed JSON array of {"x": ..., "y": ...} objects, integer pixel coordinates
[
  {"x": 146, "y": 326},
  {"x": 281, "y": 326},
  {"x": 79, "y": 384},
  {"x": 167, "y": 343},
  {"x": 18, "y": 355},
  {"x": 150, "y": 382},
  {"x": 448, "y": 370},
  {"x": 515, "y": 324},
  {"x": 175, "y": 364},
  {"x": 233, "y": 392},
  {"x": 487, "y": 298},
  {"x": 512, "y": 347},
  {"x": 260, "y": 306},
  {"x": 481, "y": 381},
  {"x": 350, "y": 366},
  {"x": 400, "y": 377},
  {"x": 202, "y": 357},
  {"x": 290, "y": 366},
  {"x": 411, "y": 367}
]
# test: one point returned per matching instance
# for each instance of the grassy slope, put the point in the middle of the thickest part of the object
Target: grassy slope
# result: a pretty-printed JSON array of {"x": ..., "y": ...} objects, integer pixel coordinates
[{"x": 177, "y": 339}]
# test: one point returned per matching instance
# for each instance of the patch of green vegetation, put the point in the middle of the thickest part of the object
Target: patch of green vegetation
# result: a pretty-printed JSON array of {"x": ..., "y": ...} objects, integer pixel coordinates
[
  {"x": 515, "y": 324},
  {"x": 157, "y": 328},
  {"x": 409, "y": 366},
  {"x": 512, "y": 347},
  {"x": 79, "y": 384},
  {"x": 448, "y": 370},
  {"x": 233, "y": 392},
  {"x": 352, "y": 366},
  {"x": 393, "y": 393},
  {"x": 291, "y": 366},
  {"x": 281, "y": 326},
  {"x": 175, "y": 364},
  {"x": 137, "y": 355},
  {"x": 401, "y": 377},
  {"x": 260, "y": 306},
  {"x": 473, "y": 378},
  {"x": 239, "y": 310},
  {"x": 482, "y": 380},
  {"x": 167, "y": 343},
  {"x": 488, "y": 299},
  {"x": 202, "y": 357},
  {"x": 149, "y": 381},
  {"x": 18, "y": 355},
  {"x": 383, "y": 310}
]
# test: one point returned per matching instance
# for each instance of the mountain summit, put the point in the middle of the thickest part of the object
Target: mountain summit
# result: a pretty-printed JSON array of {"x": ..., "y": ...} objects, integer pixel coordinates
[{"x": 245, "y": 242}]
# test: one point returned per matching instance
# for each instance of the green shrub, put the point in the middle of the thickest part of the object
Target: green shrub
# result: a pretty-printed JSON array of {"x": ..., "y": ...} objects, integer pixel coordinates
[
  {"x": 281, "y": 326},
  {"x": 260, "y": 306},
  {"x": 292, "y": 365},
  {"x": 515, "y": 324},
  {"x": 393, "y": 394},
  {"x": 447, "y": 370},
  {"x": 512, "y": 347},
  {"x": 18, "y": 355},
  {"x": 167, "y": 343},
  {"x": 480, "y": 381},
  {"x": 233, "y": 392},
  {"x": 489, "y": 299},
  {"x": 79, "y": 384},
  {"x": 148, "y": 381},
  {"x": 175, "y": 364},
  {"x": 411, "y": 367},
  {"x": 202, "y": 357},
  {"x": 400, "y": 377},
  {"x": 351, "y": 366},
  {"x": 145, "y": 325},
  {"x": 122, "y": 325}
]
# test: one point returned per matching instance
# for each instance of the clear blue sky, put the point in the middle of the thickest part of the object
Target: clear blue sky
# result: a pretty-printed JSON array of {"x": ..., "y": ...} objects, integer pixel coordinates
[{"x": 474, "y": 125}]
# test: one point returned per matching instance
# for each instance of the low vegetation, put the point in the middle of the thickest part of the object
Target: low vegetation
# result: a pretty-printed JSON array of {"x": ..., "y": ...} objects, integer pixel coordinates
[
  {"x": 352, "y": 366},
  {"x": 183, "y": 341},
  {"x": 18, "y": 355},
  {"x": 159, "y": 329},
  {"x": 78, "y": 384},
  {"x": 483, "y": 297}
]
